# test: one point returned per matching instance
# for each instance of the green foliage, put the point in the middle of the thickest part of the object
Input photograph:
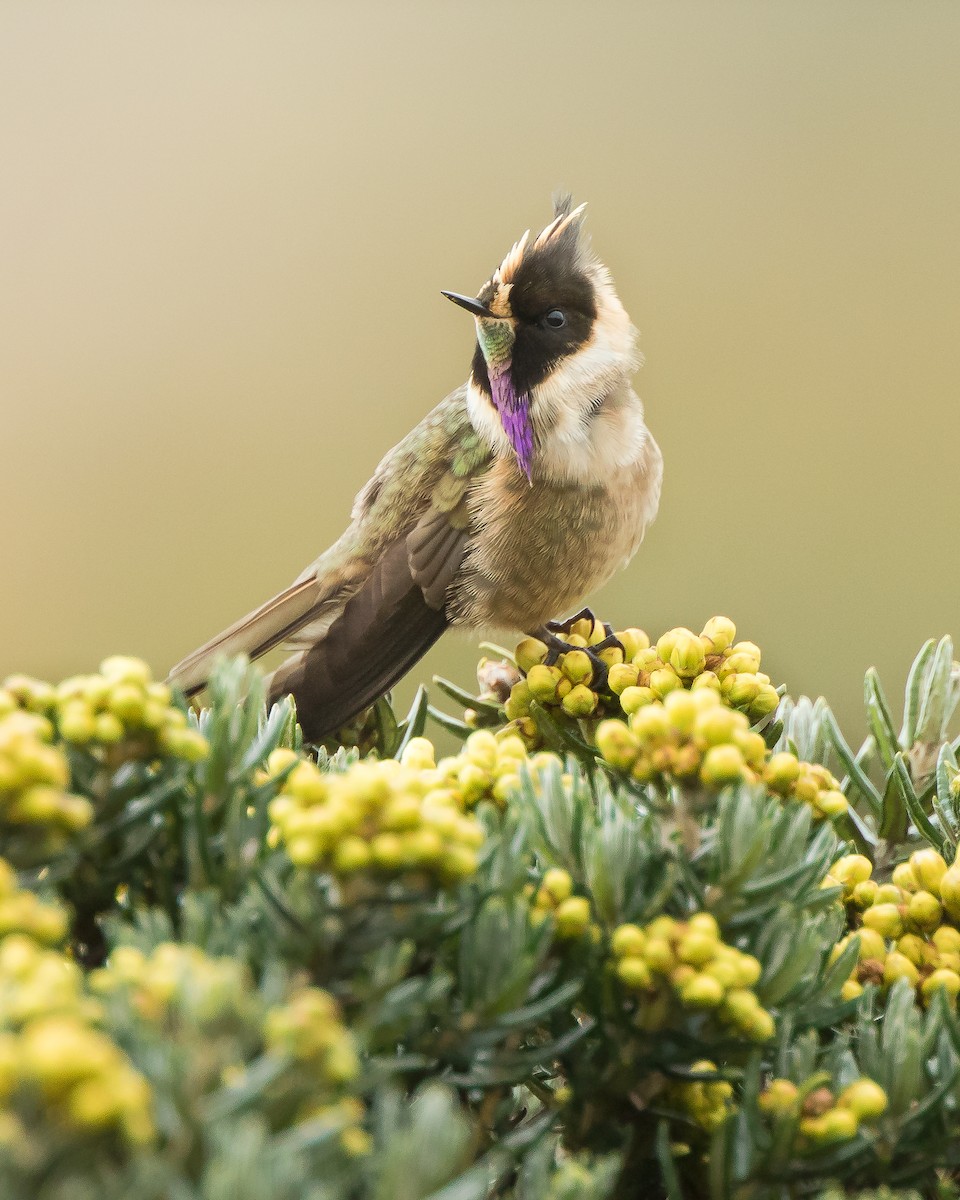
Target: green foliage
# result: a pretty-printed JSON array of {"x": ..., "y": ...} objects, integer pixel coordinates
[{"x": 645, "y": 935}]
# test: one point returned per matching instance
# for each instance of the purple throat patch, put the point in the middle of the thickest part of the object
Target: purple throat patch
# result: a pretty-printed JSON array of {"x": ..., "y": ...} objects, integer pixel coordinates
[{"x": 514, "y": 413}]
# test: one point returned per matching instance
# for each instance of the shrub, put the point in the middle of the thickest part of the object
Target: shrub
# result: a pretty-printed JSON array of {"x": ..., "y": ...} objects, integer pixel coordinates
[{"x": 653, "y": 930}]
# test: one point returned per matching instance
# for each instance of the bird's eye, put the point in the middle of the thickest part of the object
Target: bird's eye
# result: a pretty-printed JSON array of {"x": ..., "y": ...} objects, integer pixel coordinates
[{"x": 555, "y": 319}]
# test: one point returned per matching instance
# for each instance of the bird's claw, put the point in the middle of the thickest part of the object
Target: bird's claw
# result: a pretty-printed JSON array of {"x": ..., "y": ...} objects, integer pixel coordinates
[{"x": 557, "y": 646}]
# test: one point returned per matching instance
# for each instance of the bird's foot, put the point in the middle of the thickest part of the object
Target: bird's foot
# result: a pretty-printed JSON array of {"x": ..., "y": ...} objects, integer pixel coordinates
[
  {"x": 557, "y": 645},
  {"x": 585, "y": 614}
]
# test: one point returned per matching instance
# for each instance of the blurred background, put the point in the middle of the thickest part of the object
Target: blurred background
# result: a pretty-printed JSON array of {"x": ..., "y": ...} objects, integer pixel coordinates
[{"x": 224, "y": 232}]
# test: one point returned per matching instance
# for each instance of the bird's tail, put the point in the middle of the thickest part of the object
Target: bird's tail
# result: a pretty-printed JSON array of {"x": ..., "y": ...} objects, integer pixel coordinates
[
  {"x": 384, "y": 628},
  {"x": 256, "y": 633}
]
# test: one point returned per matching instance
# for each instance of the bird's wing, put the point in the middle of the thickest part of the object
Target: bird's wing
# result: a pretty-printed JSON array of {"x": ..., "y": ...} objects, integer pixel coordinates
[
  {"x": 270, "y": 625},
  {"x": 378, "y": 593},
  {"x": 385, "y": 626}
]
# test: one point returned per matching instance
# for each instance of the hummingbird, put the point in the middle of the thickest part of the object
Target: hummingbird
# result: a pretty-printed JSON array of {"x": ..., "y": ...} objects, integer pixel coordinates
[{"x": 522, "y": 491}]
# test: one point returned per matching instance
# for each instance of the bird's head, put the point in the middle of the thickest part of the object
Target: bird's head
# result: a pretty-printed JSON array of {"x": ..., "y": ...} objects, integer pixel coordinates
[{"x": 553, "y": 338}]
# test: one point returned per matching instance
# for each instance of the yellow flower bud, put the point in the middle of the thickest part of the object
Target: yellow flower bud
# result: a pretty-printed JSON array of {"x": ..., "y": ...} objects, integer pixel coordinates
[
  {"x": 748, "y": 970},
  {"x": 127, "y": 702},
  {"x": 946, "y": 939},
  {"x": 739, "y": 689},
  {"x": 580, "y": 701},
  {"x": 898, "y": 966},
  {"x": 651, "y": 725},
  {"x": 924, "y": 911},
  {"x": 947, "y": 980},
  {"x": 687, "y": 655},
  {"x": 386, "y": 850},
  {"x": 572, "y": 917},
  {"x": 864, "y": 894},
  {"x": 724, "y": 971},
  {"x": 761, "y": 1027},
  {"x": 765, "y": 702},
  {"x": 717, "y": 726},
  {"x": 356, "y": 1142},
  {"x": 681, "y": 708},
  {"x": 697, "y": 947},
  {"x": 836, "y": 1125},
  {"x": 911, "y": 946},
  {"x": 120, "y": 668},
  {"x": 621, "y": 677},
  {"x": 617, "y": 744},
  {"x": 753, "y": 748},
  {"x": 885, "y": 919},
  {"x": 557, "y": 884},
  {"x": 831, "y": 802},
  {"x": 667, "y": 641},
  {"x": 663, "y": 681},
  {"x": 628, "y": 941},
  {"x": 779, "y": 1097},
  {"x": 633, "y": 641},
  {"x": 76, "y": 723},
  {"x": 634, "y": 973},
  {"x": 480, "y": 749},
  {"x": 719, "y": 632},
  {"x": 701, "y": 991},
  {"x": 704, "y": 922},
  {"x": 706, "y": 680},
  {"x": 418, "y": 754},
  {"x": 351, "y": 854},
  {"x": 889, "y": 893},
  {"x": 851, "y": 990},
  {"x": 542, "y": 682},
  {"x": 740, "y": 1007},
  {"x": 865, "y": 1099},
  {"x": 632, "y": 699},
  {"x": 904, "y": 878},
  {"x": 459, "y": 862},
  {"x": 107, "y": 728},
  {"x": 781, "y": 772},
  {"x": 612, "y": 656},
  {"x": 576, "y": 665},
  {"x": 531, "y": 652},
  {"x": 929, "y": 868},
  {"x": 340, "y": 1064},
  {"x": 518, "y": 702},
  {"x": 751, "y": 652},
  {"x": 658, "y": 954},
  {"x": 721, "y": 765}
]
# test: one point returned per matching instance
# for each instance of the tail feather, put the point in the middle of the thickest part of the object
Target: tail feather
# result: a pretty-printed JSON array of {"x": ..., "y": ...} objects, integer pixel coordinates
[
  {"x": 255, "y": 634},
  {"x": 385, "y": 627}
]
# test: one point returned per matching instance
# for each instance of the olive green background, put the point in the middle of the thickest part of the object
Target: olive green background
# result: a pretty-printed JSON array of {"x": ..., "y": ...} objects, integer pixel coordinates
[{"x": 223, "y": 232}]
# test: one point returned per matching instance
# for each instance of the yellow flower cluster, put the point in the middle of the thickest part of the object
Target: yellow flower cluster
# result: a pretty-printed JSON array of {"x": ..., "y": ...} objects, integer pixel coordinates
[
  {"x": 23, "y": 912},
  {"x": 386, "y": 818},
  {"x": 122, "y": 704},
  {"x": 710, "y": 659},
  {"x": 554, "y": 898},
  {"x": 908, "y": 928},
  {"x": 309, "y": 1029},
  {"x": 825, "y": 1117},
  {"x": 688, "y": 961},
  {"x": 567, "y": 682},
  {"x": 175, "y": 977},
  {"x": 809, "y": 783},
  {"x": 34, "y": 777},
  {"x": 694, "y": 736},
  {"x": 49, "y": 1044},
  {"x": 640, "y": 673},
  {"x": 180, "y": 984},
  {"x": 487, "y": 768},
  {"x": 707, "y": 1101}
]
